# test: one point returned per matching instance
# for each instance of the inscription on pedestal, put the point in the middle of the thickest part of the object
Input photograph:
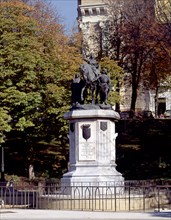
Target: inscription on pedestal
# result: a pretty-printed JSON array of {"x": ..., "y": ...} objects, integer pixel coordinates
[{"x": 87, "y": 151}]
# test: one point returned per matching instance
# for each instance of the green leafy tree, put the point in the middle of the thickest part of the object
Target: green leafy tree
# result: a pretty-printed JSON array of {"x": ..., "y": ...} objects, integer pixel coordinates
[{"x": 36, "y": 66}]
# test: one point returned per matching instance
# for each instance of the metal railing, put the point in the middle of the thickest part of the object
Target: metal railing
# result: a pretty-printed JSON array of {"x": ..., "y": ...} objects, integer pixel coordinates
[{"x": 130, "y": 196}]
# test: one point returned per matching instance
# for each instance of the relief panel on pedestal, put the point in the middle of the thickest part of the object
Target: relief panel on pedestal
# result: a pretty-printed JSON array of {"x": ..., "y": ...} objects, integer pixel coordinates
[
  {"x": 87, "y": 141},
  {"x": 113, "y": 142},
  {"x": 107, "y": 138},
  {"x": 104, "y": 141}
]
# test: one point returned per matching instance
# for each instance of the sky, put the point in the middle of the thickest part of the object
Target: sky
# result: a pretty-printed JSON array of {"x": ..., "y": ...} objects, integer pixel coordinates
[{"x": 67, "y": 9}]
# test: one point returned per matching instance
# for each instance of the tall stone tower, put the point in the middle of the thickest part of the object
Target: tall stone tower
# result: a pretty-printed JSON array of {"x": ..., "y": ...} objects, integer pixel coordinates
[
  {"x": 91, "y": 10},
  {"x": 91, "y": 14}
]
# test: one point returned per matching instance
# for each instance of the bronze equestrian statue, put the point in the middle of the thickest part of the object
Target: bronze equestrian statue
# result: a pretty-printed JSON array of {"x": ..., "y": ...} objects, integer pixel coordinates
[{"x": 97, "y": 83}]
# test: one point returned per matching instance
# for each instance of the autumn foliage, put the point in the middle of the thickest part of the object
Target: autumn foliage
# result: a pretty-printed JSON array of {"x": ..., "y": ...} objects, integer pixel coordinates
[{"x": 37, "y": 63}]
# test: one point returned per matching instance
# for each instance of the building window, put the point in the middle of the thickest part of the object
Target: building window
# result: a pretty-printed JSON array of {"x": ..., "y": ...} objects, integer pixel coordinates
[
  {"x": 94, "y": 11},
  {"x": 161, "y": 105},
  {"x": 102, "y": 11},
  {"x": 86, "y": 12}
]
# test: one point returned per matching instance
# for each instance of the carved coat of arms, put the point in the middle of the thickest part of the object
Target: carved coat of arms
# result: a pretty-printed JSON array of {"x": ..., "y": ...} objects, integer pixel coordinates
[
  {"x": 103, "y": 126},
  {"x": 86, "y": 131}
]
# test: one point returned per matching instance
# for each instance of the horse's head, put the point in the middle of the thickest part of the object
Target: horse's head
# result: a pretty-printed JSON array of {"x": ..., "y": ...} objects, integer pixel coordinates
[
  {"x": 87, "y": 73},
  {"x": 83, "y": 68}
]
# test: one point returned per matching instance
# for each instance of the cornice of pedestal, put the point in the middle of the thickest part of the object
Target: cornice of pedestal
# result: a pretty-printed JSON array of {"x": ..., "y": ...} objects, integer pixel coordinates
[{"x": 92, "y": 113}]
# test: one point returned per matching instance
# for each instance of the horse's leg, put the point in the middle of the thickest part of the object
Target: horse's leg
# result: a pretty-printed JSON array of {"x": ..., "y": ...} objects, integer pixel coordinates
[
  {"x": 92, "y": 94},
  {"x": 97, "y": 90}
]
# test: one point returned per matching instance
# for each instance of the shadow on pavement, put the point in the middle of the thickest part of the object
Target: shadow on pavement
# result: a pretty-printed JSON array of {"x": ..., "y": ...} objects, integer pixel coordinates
[
  {"x": 6, "y": 212},
  {"x": 162, "y": 214}
]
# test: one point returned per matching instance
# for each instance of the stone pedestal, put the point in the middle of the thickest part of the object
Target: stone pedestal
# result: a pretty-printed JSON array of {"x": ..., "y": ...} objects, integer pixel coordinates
[{"x": 92, "y": 148}]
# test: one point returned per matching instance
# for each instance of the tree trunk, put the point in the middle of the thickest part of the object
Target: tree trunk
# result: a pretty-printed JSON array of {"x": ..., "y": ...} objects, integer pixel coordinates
[
  {"x": 117, "y": 106},
  {"x": 156, "y": 101},
  {"x": 118, "y": 45},
  {"x": 134, "y": 97}
]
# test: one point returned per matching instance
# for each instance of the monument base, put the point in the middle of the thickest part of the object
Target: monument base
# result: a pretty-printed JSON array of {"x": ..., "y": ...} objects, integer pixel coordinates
[
  {"x": 86, "y": 181},
  {"x": 92, "y": 152},
  {"x": 92, "y": 175}
]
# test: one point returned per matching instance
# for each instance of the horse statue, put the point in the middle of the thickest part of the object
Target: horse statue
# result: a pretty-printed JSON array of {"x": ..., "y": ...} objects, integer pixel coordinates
[
  {"x": 90, "y": 76},
  {"x": 97, "y": 83}
]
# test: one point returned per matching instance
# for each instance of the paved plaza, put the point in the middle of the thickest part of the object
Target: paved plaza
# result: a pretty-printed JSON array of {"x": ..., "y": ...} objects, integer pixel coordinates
[{"x": 26, "y": 214}]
